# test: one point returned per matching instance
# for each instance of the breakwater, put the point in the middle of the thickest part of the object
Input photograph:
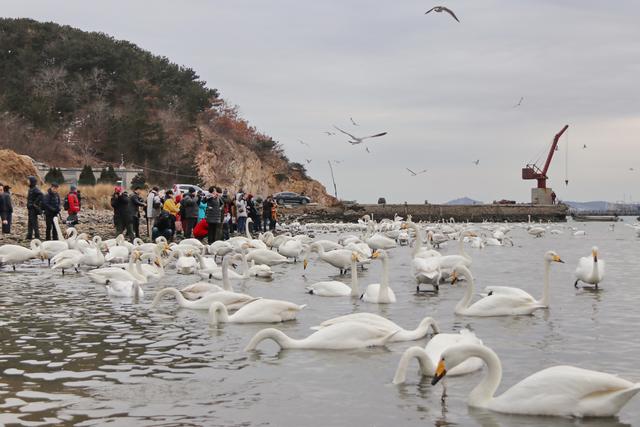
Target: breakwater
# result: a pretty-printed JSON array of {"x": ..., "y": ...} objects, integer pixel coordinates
[{"x": 428, "y": 212}]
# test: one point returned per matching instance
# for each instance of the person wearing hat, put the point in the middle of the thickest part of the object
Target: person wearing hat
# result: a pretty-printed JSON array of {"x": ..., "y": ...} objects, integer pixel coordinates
[
  {"x": 72, "y": 206},
  {"x": 191, "y": 209},
  {"x": 34, "y": 208},
  {"x": 137, "y": 202},
  {"x": 51, "y": 207}
]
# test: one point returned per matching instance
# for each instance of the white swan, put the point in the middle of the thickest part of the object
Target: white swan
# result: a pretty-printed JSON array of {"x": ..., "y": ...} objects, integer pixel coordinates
[
  {"x": 341, "y": 336},
  {"x": 339, "y": 258},
  {"x": 565, "y": 391},
  {"x": 292, "y": 249},
  {"x": 199, "y": 289},
  {"x": 590, "y": 270},
  {"x": 549, "y": 257},
  {"x": 499, "y": 304},
  {"x": 15, "y": 254},
  {"x": 258, "y": 311},
  {"x": 253, "y": 270},
  {"x": 231, "y": 300},
  {"x": 117, "y": 253},
  {"x": 103, "y": 275},
  {"x": 380, "y": 293},
  {"x": 382, "y": 322},
  {"x": 266, "y": 256},
  {"x": 186, "y": 262},
  {"x": 335, "y": 288},
  {"x": 429, "y": 356},
  {"x": 129, "y": 289}
]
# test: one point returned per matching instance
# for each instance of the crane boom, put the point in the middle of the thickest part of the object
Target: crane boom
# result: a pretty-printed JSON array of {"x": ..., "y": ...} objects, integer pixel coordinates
[{"x": 532, "y": 171}]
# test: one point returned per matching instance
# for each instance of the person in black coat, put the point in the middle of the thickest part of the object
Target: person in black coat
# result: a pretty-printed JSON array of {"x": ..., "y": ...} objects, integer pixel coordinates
[
  {"x": 122, "y": 212},
  {"x": 191, "y": 206},
  {"x": 51, "y": 207},
  {"x": 137, "y": 202},
  {"x": 7, "y": 206},
  {"x": 34, "y": 208},
  {"x": 214, "y": 215}
]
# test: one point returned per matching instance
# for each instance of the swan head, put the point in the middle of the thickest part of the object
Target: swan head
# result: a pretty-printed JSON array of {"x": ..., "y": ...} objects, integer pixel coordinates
[
  {"x": 379, "y": 253},
  {"x": 594, "y": 253},
  {"x": 452, "y": 357},
  {"x": 551, "y": 256},
  {"x": 305, "y": 263}
]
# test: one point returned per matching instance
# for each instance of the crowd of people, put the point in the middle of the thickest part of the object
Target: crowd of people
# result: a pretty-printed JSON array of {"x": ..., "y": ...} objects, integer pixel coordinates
[{"x": 214, "y": 215}]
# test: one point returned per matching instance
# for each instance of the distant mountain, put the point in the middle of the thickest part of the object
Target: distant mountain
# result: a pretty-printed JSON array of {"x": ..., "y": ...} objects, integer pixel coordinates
[
  {"x": 463, "y": 201},
  {"x": 588, "y": 206}
]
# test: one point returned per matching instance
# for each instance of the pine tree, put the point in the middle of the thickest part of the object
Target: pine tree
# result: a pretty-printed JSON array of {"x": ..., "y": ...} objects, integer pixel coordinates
[
  {"x": 138, "y": 181},
  {"x": 54, "y": 176},
  {"x": 108, "y": 176},
  {"x": 86, "y": 176}
]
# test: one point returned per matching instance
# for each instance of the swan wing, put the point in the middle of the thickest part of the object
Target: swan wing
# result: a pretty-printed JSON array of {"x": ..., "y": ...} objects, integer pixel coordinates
[
  {"x": 502, "y": 305},
  {"x": 266, "y": 311},
  {"x": 348, "y": 335},
  {"x": 510, "y": 291},
  {"x": 333, "y": 288},
  {"x": 565, "y": 390}
]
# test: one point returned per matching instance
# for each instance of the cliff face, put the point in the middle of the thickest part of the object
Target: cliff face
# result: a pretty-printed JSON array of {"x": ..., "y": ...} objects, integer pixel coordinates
[{"x": 227, "y": 164}]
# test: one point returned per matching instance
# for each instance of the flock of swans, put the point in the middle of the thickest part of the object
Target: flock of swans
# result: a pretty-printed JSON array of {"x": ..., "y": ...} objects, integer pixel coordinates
[{"x": 126, "y": 268}]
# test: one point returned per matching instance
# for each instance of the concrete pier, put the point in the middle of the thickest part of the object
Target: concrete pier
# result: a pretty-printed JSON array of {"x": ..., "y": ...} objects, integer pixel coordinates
[{"x": 459, "y": 213}]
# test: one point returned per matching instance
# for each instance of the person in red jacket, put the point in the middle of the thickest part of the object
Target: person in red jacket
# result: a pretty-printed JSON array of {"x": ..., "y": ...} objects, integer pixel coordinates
[
  {"x": 72, "y": 205},
  {"x": 201, "y": 230}
]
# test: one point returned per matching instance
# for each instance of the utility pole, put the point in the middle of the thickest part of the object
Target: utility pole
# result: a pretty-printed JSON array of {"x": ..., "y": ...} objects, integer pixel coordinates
[{"x": 335, "y": 189}]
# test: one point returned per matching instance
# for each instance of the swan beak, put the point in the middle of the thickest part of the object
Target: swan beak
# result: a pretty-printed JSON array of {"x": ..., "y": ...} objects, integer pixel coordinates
[
  {"x": 595, "y": 256},
  {"x": 404, "y": 226},
  {"x": 305, "y": 263},
  {"x": 441, "y": 371},
  {"x": 556, "y": 258},
  {"x": 376, "y": 254}
]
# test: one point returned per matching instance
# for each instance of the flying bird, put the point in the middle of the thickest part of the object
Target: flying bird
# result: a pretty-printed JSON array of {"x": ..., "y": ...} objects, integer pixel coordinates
[
  {"x": 307, "y": 160},
  {"x": 519, "y": 102},
  {"x": 353, "y": 121},
  {"x": 356, "y": 140},
  {"x": 584, "y": 146},
  {"x": 631, "y": 169},
  {"x": 329, "y": 133},
  {"x": 416, "y": 173},
  {"x": 476, "y": 162},
  {"x": 337, "y": 161},
  {"x": 367, "y": 150},
  {"x": 443, "y": 9},
  {"x": 303, "y": 143}
]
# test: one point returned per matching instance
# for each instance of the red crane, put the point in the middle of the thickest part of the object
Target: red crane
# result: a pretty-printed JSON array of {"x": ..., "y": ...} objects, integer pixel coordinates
[{"x": 532, "y": 171}]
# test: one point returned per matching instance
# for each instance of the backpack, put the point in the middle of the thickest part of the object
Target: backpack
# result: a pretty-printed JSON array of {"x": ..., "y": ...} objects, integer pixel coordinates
[{"x": 66, "y": 203}]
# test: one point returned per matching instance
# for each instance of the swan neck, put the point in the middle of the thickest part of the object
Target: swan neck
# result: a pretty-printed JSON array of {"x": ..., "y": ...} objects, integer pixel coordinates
[
  {"x": 545, "y": 288},
  {"x": 468, "y": 294},
  {"x": 418, "y": 246},
  {"x": 426, "y": 365},
  {"x": 384, "y": 283},
  {"x": 355, "y": 287},
  {"x": 273, "y": 334},
  {"x": 56, "y": 224},
  {"x": 173, "y": 291},
  {"x": 226, "y": 285},
  {"x": 483, "y": 393},
  {"x": 218, "y": 313}
]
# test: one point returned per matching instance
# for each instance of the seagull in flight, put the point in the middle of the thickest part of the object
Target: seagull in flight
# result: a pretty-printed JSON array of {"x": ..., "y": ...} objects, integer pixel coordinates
[
  {"x": 303, "y": 143},
  {"x": 307, "y": 160},
  {"x": 519, "y": 102},
  {"x": 329, "y": 133},
  {"x": 353, "y": 121},
  {"x": 631, "y": 169},
  {"x": 476, "y": 162},
  {"x": 356, "y": 140},
  {"x": 443, "y": 9},
  {"x": 584, "y": 146},
  {"x": 367, "y": 150},
  {"x": 416, "y": 173}
]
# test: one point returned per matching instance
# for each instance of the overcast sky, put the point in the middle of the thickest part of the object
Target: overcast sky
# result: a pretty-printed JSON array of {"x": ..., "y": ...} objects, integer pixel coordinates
[{"x": 443, "y": 90}]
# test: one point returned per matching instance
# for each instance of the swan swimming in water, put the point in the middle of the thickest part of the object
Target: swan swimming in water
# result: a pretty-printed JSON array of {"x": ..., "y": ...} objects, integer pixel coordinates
[
  {"x": 258, "y": 311},
  {"x": 549, "y": 257},
  {"x": 508, "y": 303},
  {"x": 335, "y": 288},
  {"x": 341, "y": 336},
  {"x": 565, "y": 391},
  {"x": 231, "y": 300},
  {"x": 384, "y": 323},
  {"x": 590, "y": 270},
  {"x": 380, "y": 293},
  {"x": 429, "y": 356}
]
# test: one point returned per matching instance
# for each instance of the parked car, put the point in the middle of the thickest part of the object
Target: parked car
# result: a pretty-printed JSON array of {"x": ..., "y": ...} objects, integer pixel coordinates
[
  {"x": 382, "y": 201},
  {"x": 184, "y": 188},
  {"x": 290, "y": 197}
]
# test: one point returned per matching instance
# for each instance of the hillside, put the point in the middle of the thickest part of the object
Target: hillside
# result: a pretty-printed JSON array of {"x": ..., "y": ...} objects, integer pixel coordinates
[
  {"x": 463, "y": 201},
  {"x": 69, "y": 97}
]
